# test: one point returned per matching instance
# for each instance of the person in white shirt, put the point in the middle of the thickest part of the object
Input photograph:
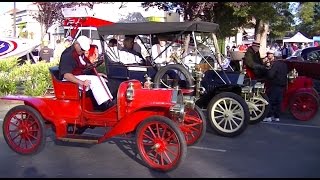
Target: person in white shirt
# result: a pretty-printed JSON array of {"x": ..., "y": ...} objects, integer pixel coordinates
[
  {"x": 113, "y": 51},
  {"x": 127, "y": 54},
  {"x": 156, "y": 49}
]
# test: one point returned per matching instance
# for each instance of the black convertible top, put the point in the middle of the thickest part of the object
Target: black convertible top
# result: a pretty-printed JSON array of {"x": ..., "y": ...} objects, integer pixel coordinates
[{"x": 146, "y": 28}]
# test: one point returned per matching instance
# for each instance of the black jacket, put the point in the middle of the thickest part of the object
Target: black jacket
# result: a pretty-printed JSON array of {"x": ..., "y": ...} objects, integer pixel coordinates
[
  {"x": 278, "y": 73},
  {"x": 253, "y": 61}
]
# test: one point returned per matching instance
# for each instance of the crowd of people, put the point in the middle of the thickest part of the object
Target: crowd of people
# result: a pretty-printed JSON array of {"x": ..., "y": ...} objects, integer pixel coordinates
[{"x": 284, "y": 51}]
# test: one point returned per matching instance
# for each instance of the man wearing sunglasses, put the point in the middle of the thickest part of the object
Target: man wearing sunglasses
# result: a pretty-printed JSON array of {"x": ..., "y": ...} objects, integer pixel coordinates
[{"x": 71, "y": 66}]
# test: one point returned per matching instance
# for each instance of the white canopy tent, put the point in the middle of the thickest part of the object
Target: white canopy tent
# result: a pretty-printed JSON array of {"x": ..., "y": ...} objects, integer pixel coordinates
[{"x": 298, "y": 38}]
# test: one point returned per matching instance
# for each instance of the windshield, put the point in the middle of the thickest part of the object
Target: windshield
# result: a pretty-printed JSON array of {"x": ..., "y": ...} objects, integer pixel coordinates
[{"x": 297, "y": 53}]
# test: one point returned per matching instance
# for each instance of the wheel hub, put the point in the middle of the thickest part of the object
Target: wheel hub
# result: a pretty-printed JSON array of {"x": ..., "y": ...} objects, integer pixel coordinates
[
  {"x": 159, "y": 145},
  {"x": 227, "y": 114}
]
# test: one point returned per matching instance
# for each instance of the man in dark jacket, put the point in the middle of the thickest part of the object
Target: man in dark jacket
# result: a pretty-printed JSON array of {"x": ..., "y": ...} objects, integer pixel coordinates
[
  {"x": 277, "y": 76},
  {"x": 253, "y": 61}
]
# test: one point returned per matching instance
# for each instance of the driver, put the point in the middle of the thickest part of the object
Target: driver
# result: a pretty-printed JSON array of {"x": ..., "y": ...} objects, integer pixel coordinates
[
  {"x": 71, "y": 66},
  {"x": 253, "y": 61}
]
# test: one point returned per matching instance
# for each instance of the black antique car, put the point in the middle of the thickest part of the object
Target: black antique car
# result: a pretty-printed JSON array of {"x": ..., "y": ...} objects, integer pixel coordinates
[{"x": 221, "y": 93}]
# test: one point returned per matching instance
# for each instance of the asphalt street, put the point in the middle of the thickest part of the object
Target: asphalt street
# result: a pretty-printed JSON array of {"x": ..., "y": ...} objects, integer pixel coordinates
[{"x": 285, "y": 149}]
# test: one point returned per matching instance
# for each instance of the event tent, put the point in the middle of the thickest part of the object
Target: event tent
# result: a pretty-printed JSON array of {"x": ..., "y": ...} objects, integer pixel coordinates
[{"x": 298, "y": 38}]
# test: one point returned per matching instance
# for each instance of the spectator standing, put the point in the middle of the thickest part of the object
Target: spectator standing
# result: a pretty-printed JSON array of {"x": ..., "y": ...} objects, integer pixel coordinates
[
  {"x": 46, "y": 53},
  {"x": 277, "y": 77},
  {"x": 284, "y": 51}
]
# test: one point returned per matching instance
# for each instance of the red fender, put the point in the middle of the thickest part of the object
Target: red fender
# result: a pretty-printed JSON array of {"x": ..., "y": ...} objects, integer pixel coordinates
[
  {"x": 130, "y": 122},
  {"x": 44, "y": 109},
  {"x": 36, "y": 103}
]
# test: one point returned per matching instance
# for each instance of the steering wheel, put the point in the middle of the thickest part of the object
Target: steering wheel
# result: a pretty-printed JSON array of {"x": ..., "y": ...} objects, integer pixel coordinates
[{"x": 93, "y": 65}]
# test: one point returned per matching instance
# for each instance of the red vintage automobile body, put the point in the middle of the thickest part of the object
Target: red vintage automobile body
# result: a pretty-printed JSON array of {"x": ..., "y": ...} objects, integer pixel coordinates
[
  {"x": 160, "y": 117},
  {"x": 67, "y": 108}
]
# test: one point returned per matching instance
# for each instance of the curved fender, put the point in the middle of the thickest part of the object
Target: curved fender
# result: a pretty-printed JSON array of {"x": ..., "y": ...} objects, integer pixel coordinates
[
  {"x": 252, "y": 106},
  {"x": 130, "y": 122},
  {"x": 261, "y": 99},
  {"x": 37, "y": 103}
]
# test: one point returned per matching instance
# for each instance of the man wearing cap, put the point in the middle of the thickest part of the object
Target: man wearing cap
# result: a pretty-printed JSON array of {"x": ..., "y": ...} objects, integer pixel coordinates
[
  {"x": 270, "y": 58},
  {"x": 277, "y": 81},
  {"x": 71, "y": 66},
  {"x": 253, "y": 61}
]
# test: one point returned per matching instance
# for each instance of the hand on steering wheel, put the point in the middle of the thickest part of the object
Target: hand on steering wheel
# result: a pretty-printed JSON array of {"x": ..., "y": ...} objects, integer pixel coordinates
[{"x": 93, "y": 65}]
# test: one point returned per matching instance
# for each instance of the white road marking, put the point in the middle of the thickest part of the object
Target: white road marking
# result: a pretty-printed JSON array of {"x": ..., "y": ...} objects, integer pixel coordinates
[
  {"x": 205, "y": 148},
  {"x": 289, "y": 124}
]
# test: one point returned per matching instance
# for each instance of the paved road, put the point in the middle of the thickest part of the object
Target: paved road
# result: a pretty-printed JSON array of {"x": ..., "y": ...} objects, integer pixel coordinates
[{"x": 286, "y": 149}]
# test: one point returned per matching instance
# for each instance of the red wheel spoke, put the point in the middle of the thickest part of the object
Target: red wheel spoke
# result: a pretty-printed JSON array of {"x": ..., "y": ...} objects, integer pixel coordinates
[
  {"x": 15, "y": 136},
  {"x": 194, "y": 119},
  {"x": 156, "y": 156},
  {"x": 168, "y": 138},
  {"x": 16, "y": 118},
  {"x": 175, "y": 145},
  {"x": 147, "y": 136},
  {"x": 193, "y": 128},
  {"x": 17, "y": 129},
  {"x": 30, "y": 141},
  {"x": 32, "y": 136},
  {"x": 164, "y": 132},
  {"x": 165, "y": 153},
  {"x": 157, "y": 127},
  {"x": 170, "y": 151},
  {"x": 186, "y": 136},
  {"x": 32, "y": 123},
  {"x": 33, "y": 130},
  {"x": 13, "y": 124},
  {"x": 28, "y": 115},
  {"x": 151, "y": 131},
  {"x": 149, "y": 152},
  {"x": 20, "y": 142},
  {"x": 162, "y": 159}
]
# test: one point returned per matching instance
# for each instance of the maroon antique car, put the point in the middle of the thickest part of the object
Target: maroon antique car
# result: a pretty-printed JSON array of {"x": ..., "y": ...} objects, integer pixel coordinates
[
  {"x": 300, "y": 97},
  {"x": 306, "y": 61},
  {"x": 163, "y": 127}
]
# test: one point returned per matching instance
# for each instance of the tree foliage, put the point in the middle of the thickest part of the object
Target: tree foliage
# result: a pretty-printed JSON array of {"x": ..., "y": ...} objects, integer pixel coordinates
[
  {"x": 277, "y": 14},
  {"x": 190, "y": 10},
  {"x": 309, "y": 15}
]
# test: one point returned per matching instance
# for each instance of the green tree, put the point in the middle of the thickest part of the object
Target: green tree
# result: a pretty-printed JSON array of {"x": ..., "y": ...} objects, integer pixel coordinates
[
  {"x": 273, "y": 18},
  {"x": 309, "y": 16}
]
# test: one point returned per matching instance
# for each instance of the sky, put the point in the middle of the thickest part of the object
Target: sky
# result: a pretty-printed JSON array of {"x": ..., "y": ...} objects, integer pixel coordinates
[{"x": 6, "y": 6}]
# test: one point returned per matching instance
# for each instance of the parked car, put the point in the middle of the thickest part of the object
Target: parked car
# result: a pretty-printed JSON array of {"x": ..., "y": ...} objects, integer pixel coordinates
[{"x": 307, "y": 63}]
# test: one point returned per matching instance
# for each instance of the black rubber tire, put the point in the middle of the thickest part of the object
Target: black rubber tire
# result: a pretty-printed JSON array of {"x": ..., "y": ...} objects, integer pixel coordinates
[{"x": 163, "y": 70}]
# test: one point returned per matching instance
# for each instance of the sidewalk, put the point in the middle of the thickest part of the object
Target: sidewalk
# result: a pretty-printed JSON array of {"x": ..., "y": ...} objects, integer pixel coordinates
[{"x": 6, "y": 105}]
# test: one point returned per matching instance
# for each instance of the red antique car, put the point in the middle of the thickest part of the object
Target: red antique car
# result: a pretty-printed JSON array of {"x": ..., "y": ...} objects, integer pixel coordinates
[{"x": 163, "y": 127}]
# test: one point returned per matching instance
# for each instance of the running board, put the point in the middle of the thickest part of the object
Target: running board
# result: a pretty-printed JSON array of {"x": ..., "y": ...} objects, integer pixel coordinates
[{"x": 80, "y": 139}]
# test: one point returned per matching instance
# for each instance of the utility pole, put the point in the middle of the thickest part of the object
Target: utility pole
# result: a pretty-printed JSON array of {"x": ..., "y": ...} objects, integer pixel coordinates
[{"x": 14, "y": 20}]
